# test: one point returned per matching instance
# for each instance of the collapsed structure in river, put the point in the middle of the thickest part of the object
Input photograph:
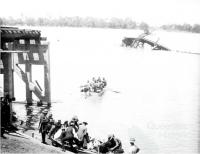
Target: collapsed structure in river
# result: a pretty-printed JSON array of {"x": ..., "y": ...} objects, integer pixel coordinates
[{"x": 138, "y": 42}]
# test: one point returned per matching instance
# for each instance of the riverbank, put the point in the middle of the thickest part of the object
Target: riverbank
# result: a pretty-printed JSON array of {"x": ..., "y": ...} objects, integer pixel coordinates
[{"x": 21, "y": 143}]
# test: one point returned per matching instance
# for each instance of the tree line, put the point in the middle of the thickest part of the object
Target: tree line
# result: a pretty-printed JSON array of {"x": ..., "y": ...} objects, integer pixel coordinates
[
  {"x": 184, "y": 27},
  {"x": 126, "y": 23}
]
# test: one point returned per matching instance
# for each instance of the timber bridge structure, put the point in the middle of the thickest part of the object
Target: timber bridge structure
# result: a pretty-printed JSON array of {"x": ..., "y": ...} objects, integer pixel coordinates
[
  {"x": 138, "y": 42},
  {"x": 24, "y": 47}
]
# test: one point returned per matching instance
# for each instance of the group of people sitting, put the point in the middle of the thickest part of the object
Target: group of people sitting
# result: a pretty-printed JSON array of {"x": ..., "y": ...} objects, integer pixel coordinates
[
  {"x": 96, "y": 85},
  {"x": 72, "y": 132},
  {"x": 114, "y": 145}
]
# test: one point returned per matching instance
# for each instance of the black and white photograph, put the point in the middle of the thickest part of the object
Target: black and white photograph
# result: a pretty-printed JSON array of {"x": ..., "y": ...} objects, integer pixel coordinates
[{"x": 100, "y": 76}]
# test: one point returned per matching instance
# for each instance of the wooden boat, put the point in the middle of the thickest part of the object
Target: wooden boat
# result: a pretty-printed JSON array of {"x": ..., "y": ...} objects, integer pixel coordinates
[
  {"x": 57, "y": 143},
  {"x": 98, "y": 93}
]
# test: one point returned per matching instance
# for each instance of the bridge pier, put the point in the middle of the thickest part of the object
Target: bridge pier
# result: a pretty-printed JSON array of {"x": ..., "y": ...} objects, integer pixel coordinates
[
  {"x": 8, "y": 74},
  {"x": 20, "y": 46},
  {"x": 28, "y": 70}
]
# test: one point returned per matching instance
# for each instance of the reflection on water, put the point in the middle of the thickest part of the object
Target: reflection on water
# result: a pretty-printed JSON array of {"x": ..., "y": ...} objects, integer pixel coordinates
[{"x": 29, "y": 115}]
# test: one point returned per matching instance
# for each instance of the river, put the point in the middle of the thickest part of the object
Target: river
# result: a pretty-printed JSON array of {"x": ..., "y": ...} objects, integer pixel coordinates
[{"x": 158, "y": 92}]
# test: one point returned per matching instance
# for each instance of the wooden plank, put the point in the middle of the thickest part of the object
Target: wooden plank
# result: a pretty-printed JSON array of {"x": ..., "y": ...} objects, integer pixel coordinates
[
  {"x": 152, "y": 43},
  {"x": 80, "y": 151},
  {"x": 43, "y": 38},
  {"x": 14, "y": 51}
]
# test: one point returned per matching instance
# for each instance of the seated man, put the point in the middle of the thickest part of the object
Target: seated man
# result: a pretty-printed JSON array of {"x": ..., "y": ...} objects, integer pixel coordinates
[
  {"x": 83, "y": 135},
  {"x": 113, "y": 144},
  {"x": 104, "y": 82},
  {"x": 75, "y": 121},
  {"x": 69, "y": 136},
  {"x": 54, "y": 129}
]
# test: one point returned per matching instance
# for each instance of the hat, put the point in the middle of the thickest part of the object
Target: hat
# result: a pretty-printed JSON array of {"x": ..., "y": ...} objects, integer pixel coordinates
[
  {"x": 132, "y": 140},
  {"x": 71, "y": 123},
  {"x": 52, "y": 121},
  {"x": 110, "y": 136},
  {"x": 84, "y": 122},
  {"x": 75, "y": 118},
  {"x": 45, "y": 111}
]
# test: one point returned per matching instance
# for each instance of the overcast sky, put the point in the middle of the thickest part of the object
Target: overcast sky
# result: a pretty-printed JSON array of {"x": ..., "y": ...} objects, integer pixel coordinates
[{"x": 150, "y": 11}]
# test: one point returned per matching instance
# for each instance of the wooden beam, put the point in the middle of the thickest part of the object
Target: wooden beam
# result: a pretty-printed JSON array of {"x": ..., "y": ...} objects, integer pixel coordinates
[
  {"x": 43, "y": 38},
  {"x": 13, "y": 51}
]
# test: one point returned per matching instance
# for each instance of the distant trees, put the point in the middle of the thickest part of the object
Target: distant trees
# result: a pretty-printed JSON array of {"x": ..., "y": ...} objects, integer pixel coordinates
[
  {"x": 185, "y": 27},
  {"x": 76, "y": 21},
  {"x": 72, "y": 22},
  {"x": 196, "y": 28},
  {"x": 144, "y": 26}
]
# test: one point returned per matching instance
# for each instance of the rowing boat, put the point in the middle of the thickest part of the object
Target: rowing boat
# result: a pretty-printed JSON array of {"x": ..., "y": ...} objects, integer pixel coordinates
[{"x": 57, "y": 143}]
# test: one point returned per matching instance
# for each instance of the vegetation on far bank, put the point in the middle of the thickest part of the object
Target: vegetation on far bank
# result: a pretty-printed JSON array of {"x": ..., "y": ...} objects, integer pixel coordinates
[{"x": 126, "y": 23}]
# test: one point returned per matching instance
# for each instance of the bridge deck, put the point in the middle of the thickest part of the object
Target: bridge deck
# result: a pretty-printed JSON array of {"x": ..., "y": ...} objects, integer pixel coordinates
[{"x": 134, "y": 42}]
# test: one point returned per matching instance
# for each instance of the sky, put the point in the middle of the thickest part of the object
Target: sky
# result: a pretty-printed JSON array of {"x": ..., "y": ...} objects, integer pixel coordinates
[{"x": 154, "y": 12}]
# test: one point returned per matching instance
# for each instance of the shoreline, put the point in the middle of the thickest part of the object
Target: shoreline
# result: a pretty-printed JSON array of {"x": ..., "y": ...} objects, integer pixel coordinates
[{"x": 21, "y": 143}]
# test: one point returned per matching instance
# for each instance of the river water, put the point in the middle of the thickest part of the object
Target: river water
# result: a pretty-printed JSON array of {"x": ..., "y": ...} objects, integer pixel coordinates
[{"x": 152, "y": 96}]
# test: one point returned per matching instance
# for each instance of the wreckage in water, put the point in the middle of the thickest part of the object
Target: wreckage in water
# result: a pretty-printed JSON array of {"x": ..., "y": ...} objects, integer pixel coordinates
[{"x": 138, "y": 42}]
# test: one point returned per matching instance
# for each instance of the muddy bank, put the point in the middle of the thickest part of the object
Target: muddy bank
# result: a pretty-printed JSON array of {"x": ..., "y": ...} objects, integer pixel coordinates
[{"x": 15, "y": 143}]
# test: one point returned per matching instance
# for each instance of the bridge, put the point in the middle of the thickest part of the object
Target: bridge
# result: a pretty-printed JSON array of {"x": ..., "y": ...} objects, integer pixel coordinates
[
  {"x": 138, "y": 42},
  {"x": 24, "y": 47}
]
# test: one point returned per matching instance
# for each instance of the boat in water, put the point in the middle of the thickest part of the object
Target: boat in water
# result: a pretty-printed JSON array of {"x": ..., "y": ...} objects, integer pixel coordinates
[
  {"x": 94, "y": 146},
  {"x": 57, "y": 143},
  {"x": 94, "y": 88}
]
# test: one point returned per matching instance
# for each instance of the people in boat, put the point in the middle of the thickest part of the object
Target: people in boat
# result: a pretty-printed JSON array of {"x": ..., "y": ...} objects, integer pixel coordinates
[
  {"x": 50, "y": 116},
  {"x": 55, "y": 127},
  {"x": 99, "y": 79},
  {"x": 86, "y": 89},
  {"x": 75, "y": 121},
  {"x": 133, "y": 148},
  {"x": 69, "y": 136},
  {"x": 66, "y": 124},
  {"x": 43, "y": 125},
  {"x": 83, "y": 134},
  {"x": 63, "y": 132},
  {"x": 49, "y": 125},
  {"x": 113, "y": 145},
  {"x": 96, "y": 85},
  {"x": 104, "y": 82},
  {"x": 93, "y": 80}
]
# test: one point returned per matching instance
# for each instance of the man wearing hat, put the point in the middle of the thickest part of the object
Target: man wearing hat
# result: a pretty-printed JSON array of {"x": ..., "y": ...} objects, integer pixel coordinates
[
  {"x": 83, "y": 135},
  {"x": 68, "y": 135},
  {"x": 75, "y": 121},
  {"x": 43, "y": 125},
  {"x": 55, "y": 127},
  {"x": 133, "y": 148},
  {"x": 113, "y": 145}
]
